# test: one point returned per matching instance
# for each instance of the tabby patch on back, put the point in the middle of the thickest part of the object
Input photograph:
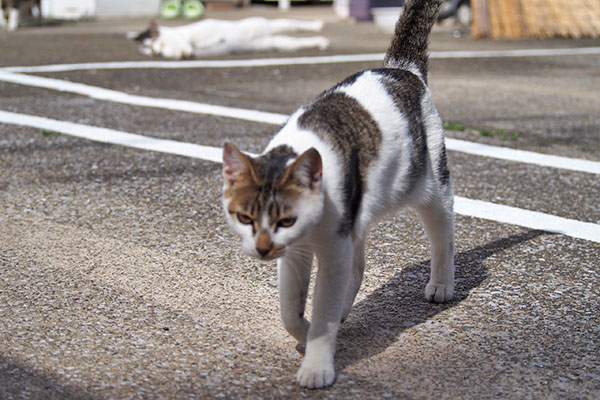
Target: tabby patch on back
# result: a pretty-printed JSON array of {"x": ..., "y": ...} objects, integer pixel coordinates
[{"x": 367, "y": 147}]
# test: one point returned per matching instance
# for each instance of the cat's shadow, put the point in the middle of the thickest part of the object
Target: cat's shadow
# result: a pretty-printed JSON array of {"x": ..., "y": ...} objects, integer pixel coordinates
[{"x": 377, "y": 321}]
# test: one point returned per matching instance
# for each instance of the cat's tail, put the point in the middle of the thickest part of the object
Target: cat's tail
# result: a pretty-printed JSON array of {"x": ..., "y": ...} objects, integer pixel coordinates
[{"x": 411, "y": 36}]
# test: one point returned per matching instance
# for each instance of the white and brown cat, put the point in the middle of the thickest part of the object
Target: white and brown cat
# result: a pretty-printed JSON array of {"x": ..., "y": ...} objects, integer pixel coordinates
[
  {"x": 10, "y": 12},
  {"x": 216, "y": 37},
  {"x": 369, "y": 146}
]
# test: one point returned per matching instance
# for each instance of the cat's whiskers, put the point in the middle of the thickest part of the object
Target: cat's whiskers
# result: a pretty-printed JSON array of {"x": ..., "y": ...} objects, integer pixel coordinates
[{"x": 294, "y": 251}]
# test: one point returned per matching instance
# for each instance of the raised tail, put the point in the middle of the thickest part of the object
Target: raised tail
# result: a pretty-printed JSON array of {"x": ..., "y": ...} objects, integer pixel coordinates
[{"x": 411, "y": 36}]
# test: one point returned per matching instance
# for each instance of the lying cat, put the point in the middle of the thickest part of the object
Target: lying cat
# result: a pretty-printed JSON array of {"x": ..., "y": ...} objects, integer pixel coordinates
[
  {"x": 363, "y": 149},
  {"x": 214, "y": 37}
]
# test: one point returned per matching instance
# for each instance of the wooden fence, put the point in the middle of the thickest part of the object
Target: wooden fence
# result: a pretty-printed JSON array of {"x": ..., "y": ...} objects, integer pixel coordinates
[{"x": 516, "y": 19}]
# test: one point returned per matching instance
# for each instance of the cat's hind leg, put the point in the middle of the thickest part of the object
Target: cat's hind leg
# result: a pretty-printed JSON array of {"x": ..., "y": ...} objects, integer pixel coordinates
[
  {"x": 438, "y": 218},
  {"x": 294, "y": 278},
  {"x": 288, "y": 43},
  {"x": 281, "y": 25}
]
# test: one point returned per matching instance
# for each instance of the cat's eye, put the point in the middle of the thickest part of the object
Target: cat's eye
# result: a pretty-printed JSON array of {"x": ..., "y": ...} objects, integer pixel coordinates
[
  {"x": 244, "y": 219},
  {"x": 286, "y": 222}
]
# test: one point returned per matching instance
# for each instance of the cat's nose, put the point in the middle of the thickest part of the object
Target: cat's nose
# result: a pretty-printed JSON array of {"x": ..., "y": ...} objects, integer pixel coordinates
[
  {"x": 263, "y": 251},
  {"x": 263, "y": 244}
]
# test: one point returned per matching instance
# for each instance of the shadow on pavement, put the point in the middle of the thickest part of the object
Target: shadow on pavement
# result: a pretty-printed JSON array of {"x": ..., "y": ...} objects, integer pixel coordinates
[
  {"x": 22, "y": 382},
  {"x": 376, "y": 322}
]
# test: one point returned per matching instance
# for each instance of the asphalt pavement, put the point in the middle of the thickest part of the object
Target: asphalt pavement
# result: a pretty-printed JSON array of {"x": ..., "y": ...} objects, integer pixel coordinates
[{"x": 120, "y": 279}]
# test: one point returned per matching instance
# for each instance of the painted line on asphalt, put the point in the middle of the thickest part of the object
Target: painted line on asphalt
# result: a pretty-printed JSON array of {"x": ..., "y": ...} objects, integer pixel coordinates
[
  {"x": 283, "y": 61},
  {"x": 111, "y": 136},
  {"x": 523, "y": 156},
  {"x": 192, "y": 64},
  {"x": 527, "y": 218},
  {"x": 503, "y": 153},
  {"x": 463, "y": 206},
  {"x": 99, "y": 93}
]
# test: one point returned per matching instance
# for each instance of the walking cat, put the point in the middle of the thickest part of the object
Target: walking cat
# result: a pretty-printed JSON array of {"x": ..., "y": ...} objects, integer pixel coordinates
[
  {"x": 214, "y": 37},
  {"x": 363, "y": 149},
  {"x": 10, "y": 12}
]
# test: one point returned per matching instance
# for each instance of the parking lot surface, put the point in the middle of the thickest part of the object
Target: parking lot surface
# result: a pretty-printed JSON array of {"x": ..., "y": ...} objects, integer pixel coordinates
[{"x": 120, "y": 279}]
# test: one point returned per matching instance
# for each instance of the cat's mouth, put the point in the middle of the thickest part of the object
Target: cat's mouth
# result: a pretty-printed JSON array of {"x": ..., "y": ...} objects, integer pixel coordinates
[
  {"x": 266, "y": 258},
  {"x": 275, "y": 252}
]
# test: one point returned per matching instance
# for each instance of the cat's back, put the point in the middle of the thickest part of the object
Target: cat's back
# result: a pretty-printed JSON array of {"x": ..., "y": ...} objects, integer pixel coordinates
[
  {"x": 371, "y": 125},
  {"x": 361, "y": 114}
]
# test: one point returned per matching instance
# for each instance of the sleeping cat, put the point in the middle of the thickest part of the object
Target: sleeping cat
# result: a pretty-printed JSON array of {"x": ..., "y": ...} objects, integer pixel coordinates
[
  {"x": 214, "y": 37},
  {"x": 363, "y": 149}
]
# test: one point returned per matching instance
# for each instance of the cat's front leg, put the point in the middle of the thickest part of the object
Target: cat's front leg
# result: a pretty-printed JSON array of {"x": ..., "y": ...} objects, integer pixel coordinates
[
  {"x": 335, "y": 263},
  {"x": 358, "y": 269},
  {"x": 294, "y": 277},
  {"x": 13, "y": 18},
  {"x": 3, "y": 21}
]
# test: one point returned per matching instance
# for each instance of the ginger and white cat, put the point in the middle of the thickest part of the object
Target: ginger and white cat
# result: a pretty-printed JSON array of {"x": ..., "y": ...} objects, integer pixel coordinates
[
  {"x": 215, "y": 37},
  {"x": 369, "y": 146}
]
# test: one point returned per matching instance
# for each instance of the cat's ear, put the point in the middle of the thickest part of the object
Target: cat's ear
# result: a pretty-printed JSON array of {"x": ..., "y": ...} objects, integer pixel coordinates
[
  {"x": 307, "y": 170},
  {"x": 237, "y": 167},
  {"x": 153, "y": 30}
]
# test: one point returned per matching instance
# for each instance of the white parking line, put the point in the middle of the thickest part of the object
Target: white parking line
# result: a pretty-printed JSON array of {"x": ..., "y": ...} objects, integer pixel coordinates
[
  {"x": 192, "y": 64},
  {"x": 523, "y": 156},
  {"x": 527, "y": 218},
  {"x": 120, "y": 97},
  {"x": 573, "y": 164},
  {"x": 281, "y": 61},
  {"x": 112, "y": 136},
  {"x": 463, "y": 206}
]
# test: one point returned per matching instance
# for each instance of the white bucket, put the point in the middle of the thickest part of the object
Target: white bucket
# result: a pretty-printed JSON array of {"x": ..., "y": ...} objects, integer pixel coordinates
[{"x": 386, "y": 17}]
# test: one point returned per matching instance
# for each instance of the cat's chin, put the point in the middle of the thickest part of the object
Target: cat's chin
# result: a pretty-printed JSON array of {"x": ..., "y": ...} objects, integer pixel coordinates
[
  {"x": 268, "y": 257},
  {"x": 271, "y": 256}
]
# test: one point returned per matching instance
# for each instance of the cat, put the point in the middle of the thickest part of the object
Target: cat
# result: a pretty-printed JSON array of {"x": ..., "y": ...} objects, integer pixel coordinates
[
  {"x": 363, "y": 149},
  {"x": 12, "y": 8},
  {"x": 215, "y": 37}
]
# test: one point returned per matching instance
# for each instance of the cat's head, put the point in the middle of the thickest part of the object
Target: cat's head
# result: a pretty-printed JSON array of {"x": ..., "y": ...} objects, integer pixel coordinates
[
  {"x": 164, "y": 42},
  {"x": 145, "y": 40},
  {"x": 273, "y": 200}
]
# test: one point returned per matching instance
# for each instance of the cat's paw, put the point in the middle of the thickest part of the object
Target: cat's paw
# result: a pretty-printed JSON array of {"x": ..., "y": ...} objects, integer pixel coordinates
[
  {"x": 315, "y": 376},
  {"x": 439, "y": 293}
]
